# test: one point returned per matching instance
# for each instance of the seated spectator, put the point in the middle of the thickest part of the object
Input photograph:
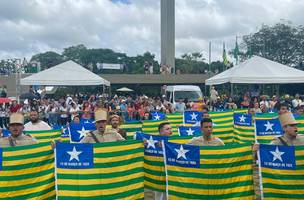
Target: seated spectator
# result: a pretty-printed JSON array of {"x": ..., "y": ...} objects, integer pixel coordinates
[{"x": 230, "y": 104}]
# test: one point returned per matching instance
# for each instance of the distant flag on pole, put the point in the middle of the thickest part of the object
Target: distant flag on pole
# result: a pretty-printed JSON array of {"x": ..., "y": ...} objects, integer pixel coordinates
[
  {"x": 236, "y": 51},
  {"x": 225, "y": 60}
]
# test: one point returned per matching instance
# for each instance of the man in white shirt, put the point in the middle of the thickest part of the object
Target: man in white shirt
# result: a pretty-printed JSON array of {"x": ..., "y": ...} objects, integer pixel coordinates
[
  {"x": 35, "y": 123},
  {"x": 296, "y": 101}
]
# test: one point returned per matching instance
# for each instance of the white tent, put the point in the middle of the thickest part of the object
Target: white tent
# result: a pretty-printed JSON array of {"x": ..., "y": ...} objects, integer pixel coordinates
[
  {"x": 124, "y": 89},
  {"x": 65, "y": 74},
  {"x": 258, "y": 70}
]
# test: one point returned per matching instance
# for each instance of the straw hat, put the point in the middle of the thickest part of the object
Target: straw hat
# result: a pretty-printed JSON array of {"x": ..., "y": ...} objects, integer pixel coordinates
[
  {"x": 114, "y": 116},
  {"x": 101, "y": 115},
  {"x": 287, "y": 119},
  {"x": 16, "y": 118}
]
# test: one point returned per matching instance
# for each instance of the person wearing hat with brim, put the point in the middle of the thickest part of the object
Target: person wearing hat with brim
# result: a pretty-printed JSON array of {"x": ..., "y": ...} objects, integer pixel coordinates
[
  {"x": 115, "y": 121},
  {"x": 290, "y": 129},
  {"x": 17, "y": 138},
  {"x": 101, "y": 134}
]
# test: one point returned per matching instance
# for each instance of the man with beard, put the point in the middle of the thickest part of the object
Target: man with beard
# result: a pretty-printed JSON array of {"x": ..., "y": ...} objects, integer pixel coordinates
[
  {"x": 101, "y": 134},
  {"x": 35, "y": 124},
  {"x": 17, "y": 138},
  {"x": 114, "y": 122}
]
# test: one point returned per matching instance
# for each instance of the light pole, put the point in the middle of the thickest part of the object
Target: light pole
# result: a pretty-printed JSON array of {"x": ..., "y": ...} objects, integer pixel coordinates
[{"x": 17, "y": 65}]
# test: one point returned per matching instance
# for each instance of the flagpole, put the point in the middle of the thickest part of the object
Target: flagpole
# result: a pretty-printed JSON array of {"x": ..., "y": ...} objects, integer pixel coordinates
[
  {"x": 70, "y": 135},
  {"x": 165, "y": 162},
  {"x": 259, "y": 163},
  {"x": 209, "y": 73},
  {"x": 56, "y": 180}
]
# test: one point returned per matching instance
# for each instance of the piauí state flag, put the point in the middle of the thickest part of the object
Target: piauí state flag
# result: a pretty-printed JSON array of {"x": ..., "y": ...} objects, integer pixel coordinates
[
  {"x": 79, "y": 131},
  {"x": 152, "y": 143},
  {"x": 74, "y": 156},
  {"x": 158, "y": 115},
  {"x": 242, "y": 119},
  {"x": 277, "y": 157},
  {"x": 192, "y": 117},
  {"x": 189, "y": 130},
  {"x": 182, "y": 155},
  {"x": 268, "y": 127}
]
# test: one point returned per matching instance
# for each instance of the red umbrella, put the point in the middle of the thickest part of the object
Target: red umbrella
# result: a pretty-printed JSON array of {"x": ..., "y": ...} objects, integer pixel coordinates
[{"x": 5, "y": 100}]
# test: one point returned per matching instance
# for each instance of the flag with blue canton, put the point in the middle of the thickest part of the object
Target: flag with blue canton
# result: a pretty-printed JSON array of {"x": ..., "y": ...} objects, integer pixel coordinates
[
  {"x": 181, "y": 155},
  {"x": 158, "y": 115},
  {"x": 86, "y": 121},
  {"x": 74, "y": 156},
  {"x": 242, "y": 119},
  {"x": 277, "y": 157},
  {"x": 0, "y": 158},
  {"x": 268, "y": 127},
  {"x": 6, "y": 132},
  {"x": 64, "y": 131},
  {"x": 78, "y": 131},
  {"x": 295, "y": 115},
  {"x": 192, "y": 117},
  {"x": 189, "y": 130},
  {"x": 152, "y": 143}
]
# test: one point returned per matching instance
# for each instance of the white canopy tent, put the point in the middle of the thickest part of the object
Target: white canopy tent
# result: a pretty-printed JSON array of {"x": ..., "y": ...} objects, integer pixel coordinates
[
  {"x": 258, "y": 70},
  {"x": 124, "y": 89},
  {"x": 68, "y": 73}
]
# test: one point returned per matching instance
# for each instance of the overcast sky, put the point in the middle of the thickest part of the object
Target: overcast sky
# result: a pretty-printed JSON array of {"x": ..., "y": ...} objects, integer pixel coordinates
[{"x": 28, "y": 27}]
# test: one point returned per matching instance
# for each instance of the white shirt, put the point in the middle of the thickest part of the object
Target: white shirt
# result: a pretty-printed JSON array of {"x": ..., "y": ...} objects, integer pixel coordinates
[
  {"x": 296, "y": 102},
  {"x": 39, "y": 126}
]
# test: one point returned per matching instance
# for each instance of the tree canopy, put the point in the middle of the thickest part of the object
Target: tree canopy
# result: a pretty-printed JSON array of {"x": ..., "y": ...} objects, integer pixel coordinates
[{"x": 282, "y": 43}]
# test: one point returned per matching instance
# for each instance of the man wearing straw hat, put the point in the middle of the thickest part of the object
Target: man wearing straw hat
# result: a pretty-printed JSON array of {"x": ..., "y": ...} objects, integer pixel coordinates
[
  {"x": 114, "y": 122},
  {"x": 290, "y": 128},
  {"x": 17, "y": 138},
  {"x": 101, "y": 134}
]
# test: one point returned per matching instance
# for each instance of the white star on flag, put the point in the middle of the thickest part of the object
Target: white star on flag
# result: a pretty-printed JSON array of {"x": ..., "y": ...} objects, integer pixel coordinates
[
  {"x": 86, "y": 122},
  {"x": 74, "y": 154},
  {"x": 242, "y": 118},
  {"x": 82, "y": 132},
  {"x": 151, "y": 142},
  {"x": 277, "y": 154},
  {"x": 181, "y": 152},
  {"x": 268, "y": 126},
  {"x": 190, "y": 131},
  {"x": 156, "y": 117},
  {"x": 193, "y": 116}
]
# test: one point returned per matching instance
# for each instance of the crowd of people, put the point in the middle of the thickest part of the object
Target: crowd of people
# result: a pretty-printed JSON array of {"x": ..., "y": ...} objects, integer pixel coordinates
[{"x": 136, "y": 108}]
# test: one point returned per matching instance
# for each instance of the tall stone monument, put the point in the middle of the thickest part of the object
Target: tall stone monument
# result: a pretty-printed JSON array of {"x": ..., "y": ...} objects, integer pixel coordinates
[{"x": 168, "y": 33}]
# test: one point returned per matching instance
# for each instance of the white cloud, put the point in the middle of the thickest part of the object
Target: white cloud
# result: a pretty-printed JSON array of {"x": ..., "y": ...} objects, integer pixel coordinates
[{"x": 33, "y": 26}]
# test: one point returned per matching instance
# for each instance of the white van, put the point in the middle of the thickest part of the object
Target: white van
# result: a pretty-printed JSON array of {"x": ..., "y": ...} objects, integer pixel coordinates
[{"x": 176, "y": 92}]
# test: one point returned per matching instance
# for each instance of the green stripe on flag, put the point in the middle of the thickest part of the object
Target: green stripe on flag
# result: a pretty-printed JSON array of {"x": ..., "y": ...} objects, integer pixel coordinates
[
  {"x": 46, "y": 135},
  {"x": 118, "y": 173},
  {"x": 285, "y": 184},
  {"x": 28, "y": 172},
  {"x": 225, "y": 173}
]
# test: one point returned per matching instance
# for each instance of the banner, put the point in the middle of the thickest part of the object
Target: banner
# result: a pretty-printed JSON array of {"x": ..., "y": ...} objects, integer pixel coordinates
[
  {"x": 282, "y": 171},
  {"x": 116, "y": 172},
  {"x": 220, "y": 172},
  {"x": 27, "y": 172}
]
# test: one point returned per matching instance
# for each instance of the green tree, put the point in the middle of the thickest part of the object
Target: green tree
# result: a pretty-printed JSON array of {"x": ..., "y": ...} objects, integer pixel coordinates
[
  {"x": 191, "y": 63},
  {"x": 282, "y": 43},
  {"x": 48, "y": 59}
]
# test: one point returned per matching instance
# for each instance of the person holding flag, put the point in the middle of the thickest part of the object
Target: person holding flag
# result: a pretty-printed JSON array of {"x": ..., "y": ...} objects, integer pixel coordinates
[
  {"x": 102, "y": 134},
  {"x": 17, "y": 138},
  {"x": 290, "y": 129},
  {"x": 207, "y": 139}
]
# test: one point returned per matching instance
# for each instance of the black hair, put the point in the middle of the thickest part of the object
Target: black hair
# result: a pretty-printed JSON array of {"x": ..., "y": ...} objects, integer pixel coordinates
[
  {"x": 205, "y": 120},
  {"x": 161, "y": 125}
]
